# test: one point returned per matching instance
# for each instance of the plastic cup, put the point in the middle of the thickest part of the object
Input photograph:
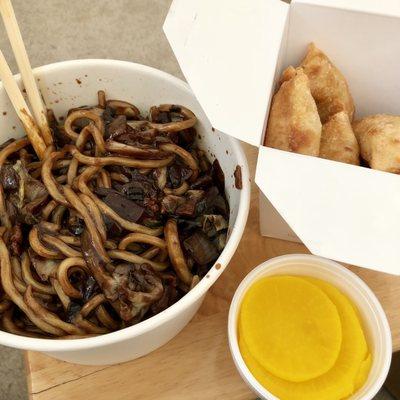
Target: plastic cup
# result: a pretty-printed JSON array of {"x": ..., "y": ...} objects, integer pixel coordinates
[{"x": 375, "y": 323}]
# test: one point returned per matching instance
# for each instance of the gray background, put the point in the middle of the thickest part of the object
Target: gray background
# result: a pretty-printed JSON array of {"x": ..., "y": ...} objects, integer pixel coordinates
[{"x": 56, "y": 30}]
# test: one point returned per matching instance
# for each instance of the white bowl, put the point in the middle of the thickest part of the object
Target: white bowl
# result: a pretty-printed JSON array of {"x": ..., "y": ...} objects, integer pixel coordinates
[
  {"x": 373, "y": 317},
  {"x": 74, "y": 83}
]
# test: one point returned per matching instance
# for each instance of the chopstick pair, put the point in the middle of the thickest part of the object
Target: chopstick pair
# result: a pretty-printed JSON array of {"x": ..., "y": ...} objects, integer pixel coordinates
[{"x": 37, "y": 127}]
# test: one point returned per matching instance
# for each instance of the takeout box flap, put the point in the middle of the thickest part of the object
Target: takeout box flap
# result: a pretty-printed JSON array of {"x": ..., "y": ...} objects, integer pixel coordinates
[
  {"x": 343, "y": 212},
  {"x": 383, "y": 7},
  {"x": 228, "y": 52}
]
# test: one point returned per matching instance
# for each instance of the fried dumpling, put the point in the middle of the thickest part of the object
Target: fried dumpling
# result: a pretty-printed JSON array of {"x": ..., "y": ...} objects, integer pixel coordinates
[
  {"x": 294, "y": 123},
  {"x": 338, "y": 142},
  {"x": 379, "y": 139},
  {"x": 328, "y": 86}
]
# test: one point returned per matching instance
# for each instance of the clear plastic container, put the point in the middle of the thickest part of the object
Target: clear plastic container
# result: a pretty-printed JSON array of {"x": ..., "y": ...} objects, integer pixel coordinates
[{"x": 373, "y": 317}]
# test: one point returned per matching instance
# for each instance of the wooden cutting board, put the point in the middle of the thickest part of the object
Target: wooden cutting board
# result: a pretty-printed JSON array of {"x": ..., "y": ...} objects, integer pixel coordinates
[{"x": 196, "y": 364}]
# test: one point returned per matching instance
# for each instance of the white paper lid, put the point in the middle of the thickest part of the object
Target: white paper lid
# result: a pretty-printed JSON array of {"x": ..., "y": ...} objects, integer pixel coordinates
[{"x": 228, "y": 51}]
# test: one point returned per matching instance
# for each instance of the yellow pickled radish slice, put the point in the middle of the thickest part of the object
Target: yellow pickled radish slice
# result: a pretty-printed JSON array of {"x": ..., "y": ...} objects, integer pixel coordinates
[
  {"x": 290, "y": 327},
  {"x": 345, "y": 376},
  {"x": 363, "y": 372}
]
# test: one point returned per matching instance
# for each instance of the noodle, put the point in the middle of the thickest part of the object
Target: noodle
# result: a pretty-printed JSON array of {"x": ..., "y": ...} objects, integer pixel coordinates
[
  {"x": 30, "y": 280},
  {"x": 15, "y": 296},
  {"x": 123, "y": 161},
  {"x": 175, "y": 252},
  {"x": 13, "y": 147},
  {"x": 66, "y": 267},
  {"x": 38, "y": 247},
  {"x": 136, "y": 259},
  {"x": 79, "y": 114}
]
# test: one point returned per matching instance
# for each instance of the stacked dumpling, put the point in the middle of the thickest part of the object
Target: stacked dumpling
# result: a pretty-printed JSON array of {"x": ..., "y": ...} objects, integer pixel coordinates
[{"x": 312, "y": 113}]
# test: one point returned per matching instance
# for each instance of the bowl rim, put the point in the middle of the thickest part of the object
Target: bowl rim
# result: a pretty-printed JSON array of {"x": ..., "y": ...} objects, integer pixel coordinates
[
  {"x": 66, "y": 345},
  {"x": 334, "y": 268}
]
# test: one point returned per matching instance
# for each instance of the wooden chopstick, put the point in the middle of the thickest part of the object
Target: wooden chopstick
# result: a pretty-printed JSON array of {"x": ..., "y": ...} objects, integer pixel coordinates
[
  {"x": 21, "y": 108},
  {"x": 17, "y": 44}
]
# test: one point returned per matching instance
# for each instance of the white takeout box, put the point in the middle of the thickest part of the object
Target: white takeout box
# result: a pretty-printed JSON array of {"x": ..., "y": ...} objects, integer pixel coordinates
[{"x": 232, "y": 53}]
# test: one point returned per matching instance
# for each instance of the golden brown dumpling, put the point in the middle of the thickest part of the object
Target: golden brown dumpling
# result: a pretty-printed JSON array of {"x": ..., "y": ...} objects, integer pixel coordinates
[
  {"x": 379, "y": 139},
  {"x": 338, "y": 142},
  {"x": 328, "y": 86},
  {"x": 294, "y": 123},
  {"x": 287, "y": 74}
]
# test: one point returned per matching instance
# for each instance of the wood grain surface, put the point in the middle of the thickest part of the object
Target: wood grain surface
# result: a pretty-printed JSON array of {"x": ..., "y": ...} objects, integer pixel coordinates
[{"x": 196, "y": 364}]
